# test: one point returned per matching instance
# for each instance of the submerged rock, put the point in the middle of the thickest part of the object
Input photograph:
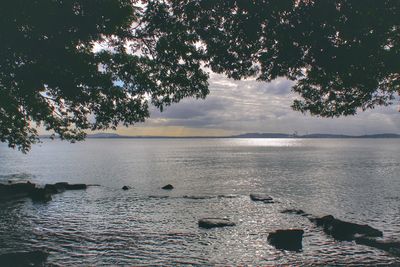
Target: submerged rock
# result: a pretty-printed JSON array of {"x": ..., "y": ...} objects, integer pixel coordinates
[
  {"x": 22, "y": 259},
  {"x": 295, "y": 211},
  {"x": 167, "y": 187},
  {"x": 197, "y": 197},
  {"x": 209, "y": 223},
  {"x": 261, "y": 197},
  {"x": 342, "y": 230},
  {"x": 391, "y": 246},
  {"x": 159, "y": 197},
  {"x": 288, "y": 239},
  {"x": 228, "y": 196},
  {"x": 125, "y": 187}
]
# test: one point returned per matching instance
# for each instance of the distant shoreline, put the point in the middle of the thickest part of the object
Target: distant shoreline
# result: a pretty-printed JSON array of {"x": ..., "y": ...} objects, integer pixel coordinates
[{"x": 247, "y": 135}]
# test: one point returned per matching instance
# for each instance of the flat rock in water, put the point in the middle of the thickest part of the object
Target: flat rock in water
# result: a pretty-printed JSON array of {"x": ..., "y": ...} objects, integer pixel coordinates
[
  {"x": 342, "y": 230},
  {"x": 228, "y": 196},
  {"x": 17, "y": 190},
  {"x": 261, "y": 197},
  {"x": 66, "y": 186},
  {"x": 61, "y": 185},
  {"x": 15, "y": 259},
  {"x": 51, "y": 188},
  {"x": 215, "y": 222},
  {"x": 167, "y": 187},
  {"x": 40, "y": 194},
  {"x": 76, "y": 186},
  {"x": 288, "y": 239}
]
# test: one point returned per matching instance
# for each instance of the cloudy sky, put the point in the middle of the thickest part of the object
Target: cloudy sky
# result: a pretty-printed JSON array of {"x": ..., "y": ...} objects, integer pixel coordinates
[{"x": 235, "y": 107}]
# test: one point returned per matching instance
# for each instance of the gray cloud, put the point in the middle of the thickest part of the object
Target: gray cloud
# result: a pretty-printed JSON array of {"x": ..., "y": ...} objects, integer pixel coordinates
[{"x": 252, "y": 106}]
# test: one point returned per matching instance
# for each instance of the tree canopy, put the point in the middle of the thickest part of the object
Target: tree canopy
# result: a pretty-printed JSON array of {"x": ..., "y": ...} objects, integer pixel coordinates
[{"x": 76, "y": 65}]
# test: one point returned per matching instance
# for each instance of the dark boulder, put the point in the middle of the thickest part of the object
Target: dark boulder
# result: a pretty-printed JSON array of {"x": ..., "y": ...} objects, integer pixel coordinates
[
  {"x": 209, "y": 223},
  {"x": 40, "y": 194},
  {"x": 342, "y": 230},
  {"x": 17, "y": 190},
  {"x": 51, "y": 188},
  {"x": 23, "y": 259},
  {"x": 288, "y": 239},
  {"x": 167, "y": 187},
  {"x": 261, "y": 197},
  {"x": 61, "y": 186},
  {"x": 125, "y": 187}
]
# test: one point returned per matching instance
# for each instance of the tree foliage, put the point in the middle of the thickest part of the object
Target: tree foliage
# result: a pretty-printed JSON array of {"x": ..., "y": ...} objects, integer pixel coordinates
[{"x": 73, "y": 65}]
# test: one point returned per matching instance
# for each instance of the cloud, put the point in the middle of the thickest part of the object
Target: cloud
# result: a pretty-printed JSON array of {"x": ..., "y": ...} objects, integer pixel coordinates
[{"x": 251, "y": 106}]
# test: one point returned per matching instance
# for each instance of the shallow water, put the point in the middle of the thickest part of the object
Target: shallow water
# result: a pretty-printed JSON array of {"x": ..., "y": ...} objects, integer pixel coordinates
[{"x": 353, "y": 179}]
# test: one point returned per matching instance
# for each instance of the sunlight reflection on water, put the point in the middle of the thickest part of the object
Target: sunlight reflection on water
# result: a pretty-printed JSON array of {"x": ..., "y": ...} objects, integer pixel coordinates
[{"x": 265, "y": 142}]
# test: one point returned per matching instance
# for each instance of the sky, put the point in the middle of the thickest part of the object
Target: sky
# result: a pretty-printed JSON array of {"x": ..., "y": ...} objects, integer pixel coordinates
[{"x": 235, "y": 107}]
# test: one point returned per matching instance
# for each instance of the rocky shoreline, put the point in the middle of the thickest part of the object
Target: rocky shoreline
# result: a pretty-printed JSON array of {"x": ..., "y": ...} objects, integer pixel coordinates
[
  {"x": 35, "y": 192},
  {"x": 282, "y": 239}
]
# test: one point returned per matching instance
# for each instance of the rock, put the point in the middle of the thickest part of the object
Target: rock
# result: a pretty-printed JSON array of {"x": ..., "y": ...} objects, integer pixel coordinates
[
  {"x": 167, "y": 187},
  {"x": 228, "y": 196},
  {"x": 125, "y": 187},
  {"x": 76, "y": 186},
  {"x": 40, "y": 194},
  {"x": 391, "y": 246},
  {"x": 289, "y": 239},
  {"x": 51, "y": 188},
  {"x": 159, "y": 197},
  {"x": 20, "y": 259},
  {"x": 209, "y": 223},
  {"x": 294, "y": 211},
  {"x": 17, "y": 190},
  {"x": 61, "y": 186},
  {"x": 342, "y": 230},
  {"x": 66, "y": 186},
  {"x": 261, "y": 197},
  {"x": 197, "y": 197},
  {"x": 28, "y": 189}
]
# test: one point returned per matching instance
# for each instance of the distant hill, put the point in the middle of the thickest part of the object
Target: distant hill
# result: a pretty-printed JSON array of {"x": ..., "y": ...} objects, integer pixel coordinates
[
  {"x": 385, "y": 135},
  {"x": 326, "y": 136},
  {"x": 104, "y": 135}
]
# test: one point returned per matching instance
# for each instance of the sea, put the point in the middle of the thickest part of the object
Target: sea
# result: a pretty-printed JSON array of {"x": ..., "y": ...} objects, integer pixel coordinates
[{"x": 356, "y": 180}]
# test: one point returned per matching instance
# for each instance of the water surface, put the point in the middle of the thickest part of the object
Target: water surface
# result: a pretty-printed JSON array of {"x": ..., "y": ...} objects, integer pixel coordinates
[{"x": 353, "y": 179}]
